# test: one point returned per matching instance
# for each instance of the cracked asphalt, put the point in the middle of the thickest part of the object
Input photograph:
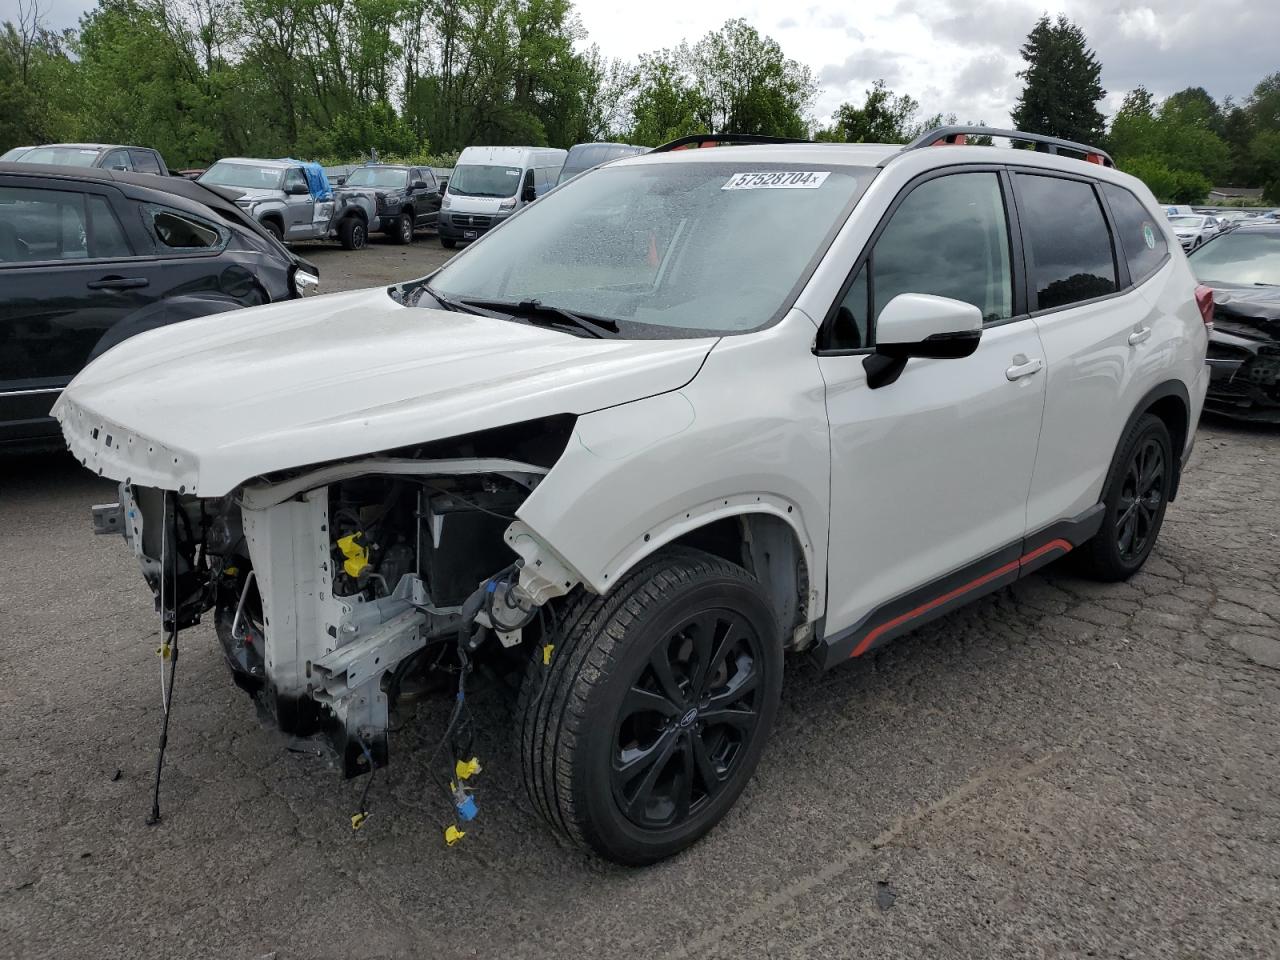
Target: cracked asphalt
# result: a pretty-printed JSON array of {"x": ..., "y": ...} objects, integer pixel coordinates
[{"x": 1063, "y": 769}]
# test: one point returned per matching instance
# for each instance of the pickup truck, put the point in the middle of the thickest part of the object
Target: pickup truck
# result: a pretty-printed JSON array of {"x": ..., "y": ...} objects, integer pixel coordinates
[{"x": 278, "y": 195}]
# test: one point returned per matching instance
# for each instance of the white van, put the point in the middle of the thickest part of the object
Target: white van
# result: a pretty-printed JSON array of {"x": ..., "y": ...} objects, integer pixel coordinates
[{"x": 488, "y": 184}]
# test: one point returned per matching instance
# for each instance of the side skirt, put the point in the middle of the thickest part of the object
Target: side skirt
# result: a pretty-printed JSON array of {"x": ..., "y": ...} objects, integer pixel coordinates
[{"x": 934, "y": 600}]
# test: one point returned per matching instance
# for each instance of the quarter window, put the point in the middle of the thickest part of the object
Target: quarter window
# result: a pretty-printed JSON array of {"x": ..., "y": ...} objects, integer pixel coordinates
[
  {"x": 1141, "y": 238},
  {"x": 948, "y": 238},
  {"x": 144, "y": 161},
  {"x": 1068, "y": 244},
  {"x": 182, "y": 232}
]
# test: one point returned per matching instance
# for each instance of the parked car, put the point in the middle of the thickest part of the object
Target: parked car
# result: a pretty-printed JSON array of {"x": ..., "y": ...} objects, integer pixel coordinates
[
  {"x": 1243, "y": 269},
  {"x": 584, "y": 156},
  {"x": 1195, "y": 230},
  {"x": 104, "y": 156},
  {"x": 90, "y": 257},
  {"x": 404, "y": 198},
  {"x": 690, "y": 412},
  {"x": 489, "y": 184},
  {"x": 1177, "y": 209},
  {"x": 290, "y": 205}
]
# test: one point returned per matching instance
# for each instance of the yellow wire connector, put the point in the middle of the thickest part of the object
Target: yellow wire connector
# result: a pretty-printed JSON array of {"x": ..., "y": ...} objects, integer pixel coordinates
[
  {"x": 452, "y": 835},
  {"x": 546, "y": 653},
  {"x": 164, "y": 651},
  {"x": 466, "y": 769},
  {"x": 358, "y": 819},
  {"x": 357, "y": 556}
]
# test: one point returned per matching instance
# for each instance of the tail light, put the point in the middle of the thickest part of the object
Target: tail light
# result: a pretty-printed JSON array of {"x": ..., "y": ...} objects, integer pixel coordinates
[{"x": 1204, "y": 300}]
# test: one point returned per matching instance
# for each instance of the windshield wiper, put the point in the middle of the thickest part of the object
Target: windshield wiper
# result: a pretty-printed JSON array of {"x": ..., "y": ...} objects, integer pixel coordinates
[
  {"x": 461, "y": 306},
  {"x": 537, "y": 312}
]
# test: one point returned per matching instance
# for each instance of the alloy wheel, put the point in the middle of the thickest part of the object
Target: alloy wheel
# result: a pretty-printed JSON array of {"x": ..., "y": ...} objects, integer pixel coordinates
[
  {"x": 1141, "y": 497},
  {"x": 687, "y": 720}
]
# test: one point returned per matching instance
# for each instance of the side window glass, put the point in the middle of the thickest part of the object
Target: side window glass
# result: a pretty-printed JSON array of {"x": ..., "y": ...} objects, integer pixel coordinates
[
  {"x": 42, "y": 225},
  {"x": 180, "y": 232},
  {"x": 850, "y": 328},
  {"x": 144, "y": 161},
  {"x": 117, "y": 160},
  {"x": 949, "y": 238},
  {"x": 106, "y": 237},
  {"x": 1141, "y": 238},
  {"x": 1068, "y": 243},
  {"x": 294, "y": 178}
]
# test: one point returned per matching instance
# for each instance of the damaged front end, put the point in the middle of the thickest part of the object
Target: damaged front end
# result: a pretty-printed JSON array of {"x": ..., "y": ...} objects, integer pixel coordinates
[
  {"x": 1244, "y": 355},
  {"x": 339, "y": 588}
]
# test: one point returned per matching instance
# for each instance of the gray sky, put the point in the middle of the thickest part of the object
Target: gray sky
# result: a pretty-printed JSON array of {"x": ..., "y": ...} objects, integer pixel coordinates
[{"x": 953, "y": 56}]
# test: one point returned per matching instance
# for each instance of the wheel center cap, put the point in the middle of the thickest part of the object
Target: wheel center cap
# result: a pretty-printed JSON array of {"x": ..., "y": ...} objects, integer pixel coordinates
[{"x": 689, "y": 717}]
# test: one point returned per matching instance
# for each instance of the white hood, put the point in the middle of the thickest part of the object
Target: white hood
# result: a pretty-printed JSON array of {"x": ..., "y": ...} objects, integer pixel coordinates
[{"x": 206, "y": 404}]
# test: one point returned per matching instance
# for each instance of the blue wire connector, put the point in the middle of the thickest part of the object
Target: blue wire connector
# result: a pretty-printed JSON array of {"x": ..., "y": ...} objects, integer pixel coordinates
[{"x": 467, "y": 809}]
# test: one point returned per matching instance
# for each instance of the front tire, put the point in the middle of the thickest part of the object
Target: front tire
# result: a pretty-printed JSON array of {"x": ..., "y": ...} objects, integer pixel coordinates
[
  {"x": 402, "y": 232},
  {"x": 1134, "y": 499},
  {"x": 652, "y": 715},
  {"x": 448, "y": 242},
  {"x": 274, "y": 228}
]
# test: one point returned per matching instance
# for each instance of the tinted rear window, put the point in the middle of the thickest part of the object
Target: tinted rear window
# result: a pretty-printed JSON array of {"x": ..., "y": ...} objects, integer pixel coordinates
[{"x": 1068, "y": 243}]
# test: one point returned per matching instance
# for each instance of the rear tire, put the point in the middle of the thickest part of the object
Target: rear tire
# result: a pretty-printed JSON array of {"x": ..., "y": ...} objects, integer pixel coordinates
[
  {"x": 1134, "y": 500},
  {"x": 448, "y": 242},
  {"x": 651, "y": 716},
  {"x": 353, "y": 234}
]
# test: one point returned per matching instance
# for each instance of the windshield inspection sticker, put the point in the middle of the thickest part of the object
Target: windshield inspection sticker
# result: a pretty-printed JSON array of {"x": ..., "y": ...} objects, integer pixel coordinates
[{"x": 778, "y": 180}]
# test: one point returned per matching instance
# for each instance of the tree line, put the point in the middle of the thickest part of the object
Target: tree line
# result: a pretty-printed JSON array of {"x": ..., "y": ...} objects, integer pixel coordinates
[{"x": 334, "y": 79}]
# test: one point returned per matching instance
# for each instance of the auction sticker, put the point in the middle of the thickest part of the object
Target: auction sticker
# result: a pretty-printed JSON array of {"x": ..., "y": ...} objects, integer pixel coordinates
[
  {"x": 1149, "y": 236},
  {"x": 778, "y": 180}
]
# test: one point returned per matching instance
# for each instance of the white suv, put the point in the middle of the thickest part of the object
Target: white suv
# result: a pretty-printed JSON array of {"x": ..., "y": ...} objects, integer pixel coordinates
[{"x": 695, "y": 410}]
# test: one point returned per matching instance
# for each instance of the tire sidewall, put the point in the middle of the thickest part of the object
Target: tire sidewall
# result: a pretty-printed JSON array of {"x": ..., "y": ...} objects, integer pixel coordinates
[
  {"x": 593, "y": 787},
  {"x": 1148, "y": 427}
]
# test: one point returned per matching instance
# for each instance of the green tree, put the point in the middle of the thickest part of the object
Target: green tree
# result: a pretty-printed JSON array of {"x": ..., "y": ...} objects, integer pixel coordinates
[
  {"x": 1062, "y": 84},
  {"x": 883, "y": 117}
]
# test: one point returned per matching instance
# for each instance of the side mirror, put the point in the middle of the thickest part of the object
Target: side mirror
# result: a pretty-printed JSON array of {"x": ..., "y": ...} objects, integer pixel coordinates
[
  {"x": 419, "y": 184},
  {"x": 528, "y": 194},
  {"x": 921, "y": 325},
  {"x": 298, "y": 190},
  {"x": 339, "y": 181},
  {"x": 443, "y": 183}
]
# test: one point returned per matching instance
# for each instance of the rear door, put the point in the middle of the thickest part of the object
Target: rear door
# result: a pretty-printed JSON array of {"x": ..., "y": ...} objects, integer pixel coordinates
[
  {"x": 67, "y": 274},
  {"x": 1097, "y": 330},
  {"x": 146, "y": 161}
]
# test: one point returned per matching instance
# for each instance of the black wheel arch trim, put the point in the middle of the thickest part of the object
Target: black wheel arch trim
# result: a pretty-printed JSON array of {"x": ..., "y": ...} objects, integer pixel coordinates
[{"x": 1163, "y": 391}]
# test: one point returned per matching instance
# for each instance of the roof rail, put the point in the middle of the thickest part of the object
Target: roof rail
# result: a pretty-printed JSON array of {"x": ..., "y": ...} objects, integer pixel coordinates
[
  {"x": 695, "y": 140},
  {"x": 940, "y": 136}
]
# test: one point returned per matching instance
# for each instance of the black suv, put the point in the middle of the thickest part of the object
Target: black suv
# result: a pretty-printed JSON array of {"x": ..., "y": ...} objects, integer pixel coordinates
[
  {"x": 91, "y": 257},
  {"x": 405, "y": 198},
  {"x": 102, "y": 156}
]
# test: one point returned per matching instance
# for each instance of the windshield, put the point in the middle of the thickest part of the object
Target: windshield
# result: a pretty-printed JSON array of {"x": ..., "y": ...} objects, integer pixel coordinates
[
  {"x": 1187, "y": 221},
  {"x": 62, "y": 156},
  {"x": 1240, "y": 257},
  {"x": 378, "y": 177},
  {"x": 484, "y": 181},
  {"x": 248, "y": 175},
  {"x": 14, "y": 154},
  {"x": 684, "y": 248}
]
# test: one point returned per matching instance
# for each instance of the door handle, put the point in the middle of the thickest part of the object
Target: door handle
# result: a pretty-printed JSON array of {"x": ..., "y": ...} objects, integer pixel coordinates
[
  {"x": 1138, "y": 336},
  {"x": 1022, "y": 367},
  {"x": 119, "y": 283}
]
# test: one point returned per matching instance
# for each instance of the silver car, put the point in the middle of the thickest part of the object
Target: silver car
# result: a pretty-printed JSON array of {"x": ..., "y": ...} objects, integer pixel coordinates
[{"x": 1193, "y": 231}]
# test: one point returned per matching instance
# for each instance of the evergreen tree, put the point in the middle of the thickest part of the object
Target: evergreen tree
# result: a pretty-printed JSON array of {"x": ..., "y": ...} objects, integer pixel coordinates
[{"x": 1063, "y": 84}]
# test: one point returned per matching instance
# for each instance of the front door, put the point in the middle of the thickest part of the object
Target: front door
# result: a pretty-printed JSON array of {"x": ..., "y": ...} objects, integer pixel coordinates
[
  {"x": 299, "y": 206},
  {"x": 929, "y": 474}
]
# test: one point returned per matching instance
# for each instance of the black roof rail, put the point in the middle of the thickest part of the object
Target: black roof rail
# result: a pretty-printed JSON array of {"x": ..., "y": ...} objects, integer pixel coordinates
[
  {"x": 1041, "y": 143},
  {"x": 721, "y": 139}
]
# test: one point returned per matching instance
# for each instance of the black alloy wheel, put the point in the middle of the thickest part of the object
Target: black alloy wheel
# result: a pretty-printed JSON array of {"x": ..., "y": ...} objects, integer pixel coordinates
[
  {"x": 685, "y": 722},
  {"x": 1142, "y": 498}
]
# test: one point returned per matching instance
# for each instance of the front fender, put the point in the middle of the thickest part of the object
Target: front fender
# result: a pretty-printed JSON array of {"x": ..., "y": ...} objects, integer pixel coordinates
[{"x": 637, "y": 476}]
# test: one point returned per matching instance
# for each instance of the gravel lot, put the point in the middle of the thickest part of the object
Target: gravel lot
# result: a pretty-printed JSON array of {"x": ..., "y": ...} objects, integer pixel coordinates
[{"x": 1063, "y": 769}]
